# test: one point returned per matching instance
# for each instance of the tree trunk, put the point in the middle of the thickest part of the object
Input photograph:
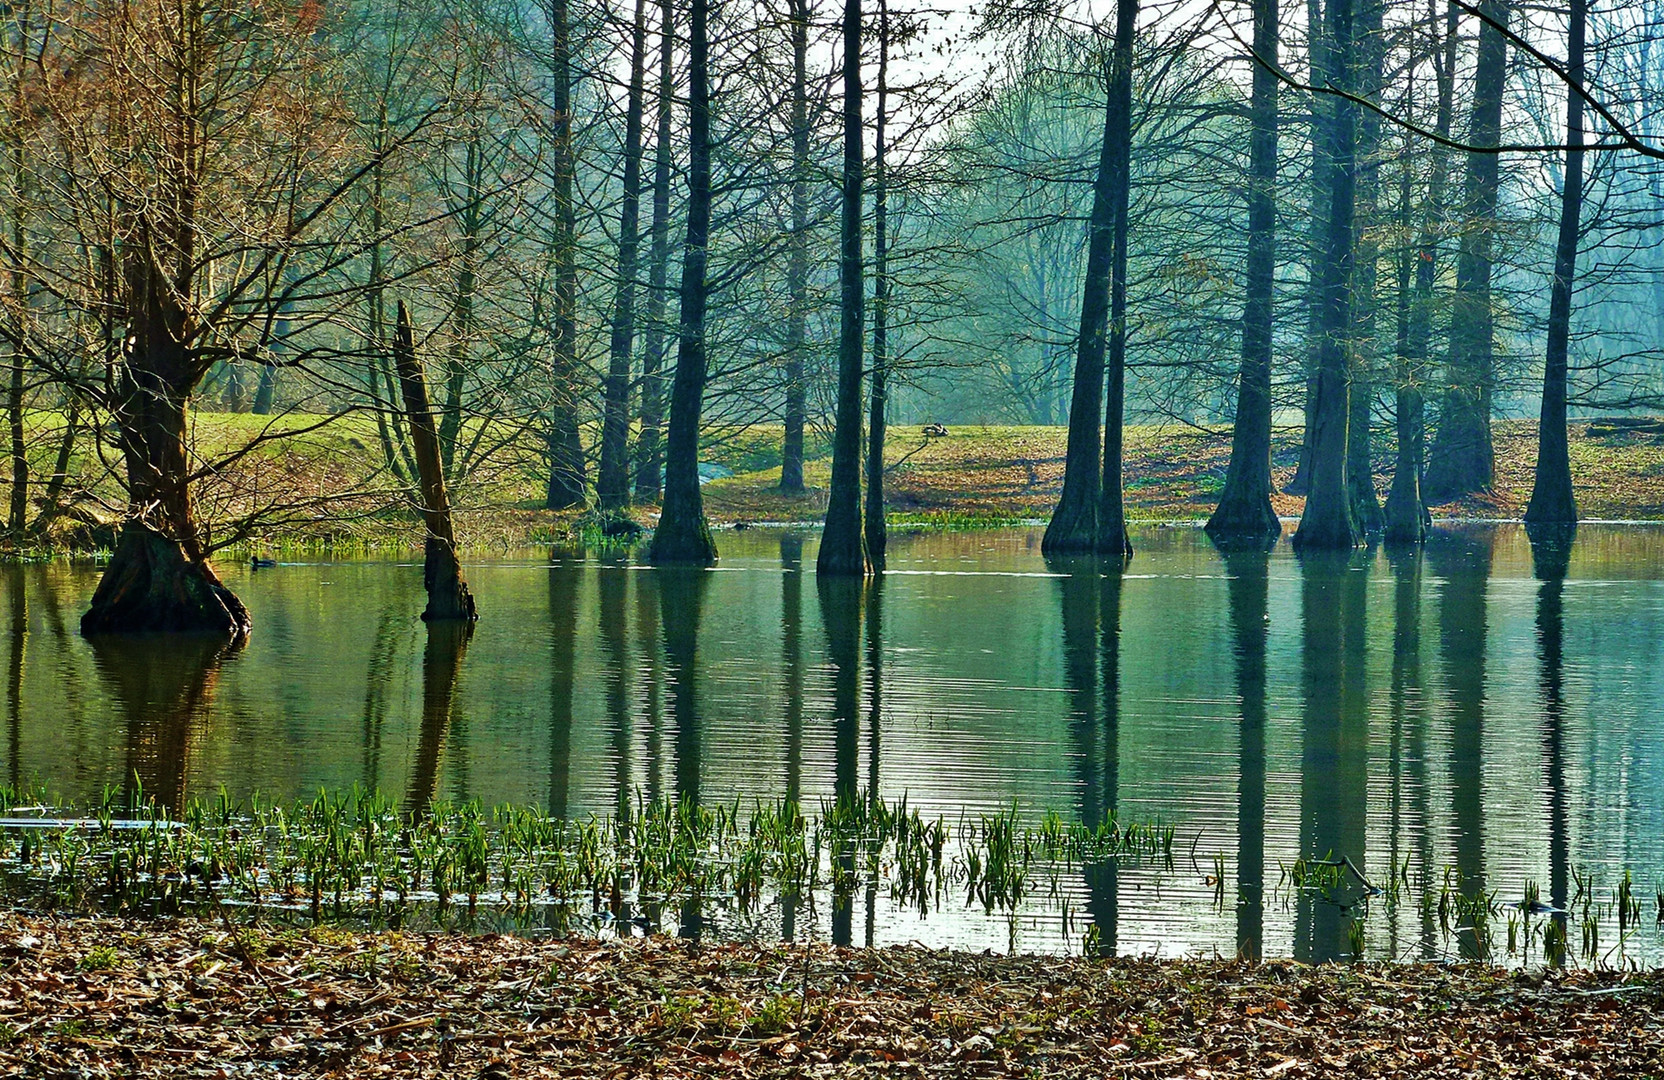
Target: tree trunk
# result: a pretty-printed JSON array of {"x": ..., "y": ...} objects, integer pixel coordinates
[
  {"x": 1317, "y": 60},
  {"x": 877, "y": 535},
  {"x": 683, "y": 536},
  {"x": 158, "y": 578},
  {"x": 797, "y": 267},
  {"x": 649, "y": 457},
  {"x": 1406, "y": 509},
  {"x": 1244, "y": 515},
  {"x": 1327, "y": 523},
  {"x": 612, "y": 482},
  {"x": 1074, "y": 524},
  {"x": 1463, "y": 460},
  {"x": 566, "y": 454},
  {"x": 448, "y": 595},
  {"x": 1360, "y": 465},
  {"x": 1552, "y": 500},
  {"x": 1401, "y": 517},
  {"x": 843, "y": 548},
  {"x": 459, "y": 355},
  {"x": 1112, "y": 514},
  {"x": 18, "y": 519}
]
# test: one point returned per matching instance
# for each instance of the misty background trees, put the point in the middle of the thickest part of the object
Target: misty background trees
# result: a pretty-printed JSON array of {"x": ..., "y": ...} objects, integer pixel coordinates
[{"x": 623, "y": 230}]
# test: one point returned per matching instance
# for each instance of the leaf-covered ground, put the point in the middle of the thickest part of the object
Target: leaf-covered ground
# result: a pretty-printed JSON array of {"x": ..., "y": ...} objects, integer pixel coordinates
[
  {"x": 89, "y": 998},
  {"x": 1174, "y": 473}
]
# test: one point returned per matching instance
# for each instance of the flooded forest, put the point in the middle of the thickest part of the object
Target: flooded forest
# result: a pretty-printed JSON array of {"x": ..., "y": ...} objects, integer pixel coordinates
[{"x": 1120, "y": 480}]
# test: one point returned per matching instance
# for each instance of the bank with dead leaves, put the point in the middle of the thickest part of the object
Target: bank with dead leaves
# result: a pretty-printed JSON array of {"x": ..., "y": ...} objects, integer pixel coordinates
[{"x": 93, "y": 998}]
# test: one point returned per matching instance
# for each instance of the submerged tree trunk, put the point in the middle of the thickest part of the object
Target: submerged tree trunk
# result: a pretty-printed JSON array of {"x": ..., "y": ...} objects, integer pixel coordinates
[
  {"x": 1244, "y": 515},
  {"x": 797, "y": 266},
  {"x": 877, "y": 535},
  {"x": 1112, "y": 514},
  {"x": 1406, "y": 510},
  {"x": 1552, "y": 500},
  {"x": 565, "y": 451},
  {"x": 1360, "y": 465},
  {"x": 448, "y": 595},
  {"x": 683, "y": 535},
  {"x": 843, "y": 548},
  {"x": 612, "y": 482},
  {"x": 649, "y": 455},
  {"x": 1463, "y": 460},
  {"x": 1328, "y": 523}
]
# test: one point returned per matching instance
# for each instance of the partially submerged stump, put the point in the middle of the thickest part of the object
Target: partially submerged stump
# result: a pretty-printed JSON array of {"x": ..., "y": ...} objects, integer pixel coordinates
[
  {"x": 151, "y": 586},
  {"x": 448, "y": 595}
]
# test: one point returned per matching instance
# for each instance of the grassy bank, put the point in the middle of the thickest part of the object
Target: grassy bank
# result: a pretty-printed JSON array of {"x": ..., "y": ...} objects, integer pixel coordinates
[
  {"x": 326, "y": 488},
  {"x": 197, "y": 998}
]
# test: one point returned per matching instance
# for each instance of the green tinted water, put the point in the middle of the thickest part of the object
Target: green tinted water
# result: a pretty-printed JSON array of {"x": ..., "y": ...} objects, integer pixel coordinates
[{"x": 1469, "y": 715}]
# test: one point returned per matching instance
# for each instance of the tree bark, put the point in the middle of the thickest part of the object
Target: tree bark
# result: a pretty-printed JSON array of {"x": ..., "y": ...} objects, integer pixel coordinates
[
  {"x": 797, "y": 266},
  {"x": 1112, "y": 514},
  {"x": 158, "y": 578},
  {"x": 1463, "y": 460},
  {"x": 683, "y": 535},
  {"x": 843, "y": 549},
  {"x": 1074, "y": 523},
  {"x": 448, "y": 595},
  {"x": 877, "y": 534},
  {"x": 649, "y": 455},
  {"x": 612, "y": 482},
  {"x": 1406, "y": 509},
  {"x": 459, "y": 355},
  {"x": 1327, "y": 522},
  {"x": 1244, "y": 516},
  {"x": 1552, "y": 499},
  {"x": 1360, "y": 465},
  {"x": 1317, "y": 60},
  {"x": 565, "y": 451}
]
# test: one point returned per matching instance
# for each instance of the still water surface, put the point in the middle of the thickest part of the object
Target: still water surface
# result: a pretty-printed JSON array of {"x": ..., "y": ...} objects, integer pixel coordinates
[{"x": 1471, "y": 714}]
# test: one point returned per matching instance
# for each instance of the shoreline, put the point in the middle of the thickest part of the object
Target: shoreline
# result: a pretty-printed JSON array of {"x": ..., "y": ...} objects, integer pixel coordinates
[{"x": 195, "y": 997}]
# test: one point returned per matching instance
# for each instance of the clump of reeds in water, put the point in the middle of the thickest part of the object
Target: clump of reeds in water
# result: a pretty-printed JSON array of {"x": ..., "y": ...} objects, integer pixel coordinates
[{"x": 357, "y": 856}]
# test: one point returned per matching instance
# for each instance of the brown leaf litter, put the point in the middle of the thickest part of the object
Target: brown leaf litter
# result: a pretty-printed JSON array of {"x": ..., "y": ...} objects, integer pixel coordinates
[{"x": 189, "y": 998}]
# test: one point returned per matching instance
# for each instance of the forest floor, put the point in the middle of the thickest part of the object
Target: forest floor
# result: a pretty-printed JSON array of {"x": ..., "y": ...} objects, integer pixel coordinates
[
  {"x": 93, "y": 998},
  {"x": 991, "y": 474},
  {"x": 324, "y": 485}
]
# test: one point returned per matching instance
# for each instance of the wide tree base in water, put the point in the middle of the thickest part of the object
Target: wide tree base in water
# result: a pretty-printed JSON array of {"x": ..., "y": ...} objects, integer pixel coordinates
[
  {"x": 170, "y": 998},
  {"x": 150, "y": 586}
]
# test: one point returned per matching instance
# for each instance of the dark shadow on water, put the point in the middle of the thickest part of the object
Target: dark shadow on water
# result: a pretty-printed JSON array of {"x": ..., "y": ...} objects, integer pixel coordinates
[
  {"x": 1463, "y": 559},
  {"x": 1089, "y": 599},
  {"x": 682, "y": 591},
  {"x": 447, "y": 642},
  {"x": 612, "y": 584},
  {"x": 1334, "y": 765},
  {"x": 1407, "y": 749},
  {"x": 17, "y": 620},
  {"x": 565, "y": 574},
  {"x": 164, "y": 685},
  {"x": 791, "y": 650},
  {"x": 1249, "y": 592},
  {"x": 841, "y": 600},
  {"x": 1551, "y": 550},
  {"x": 875, "y": 716}
]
